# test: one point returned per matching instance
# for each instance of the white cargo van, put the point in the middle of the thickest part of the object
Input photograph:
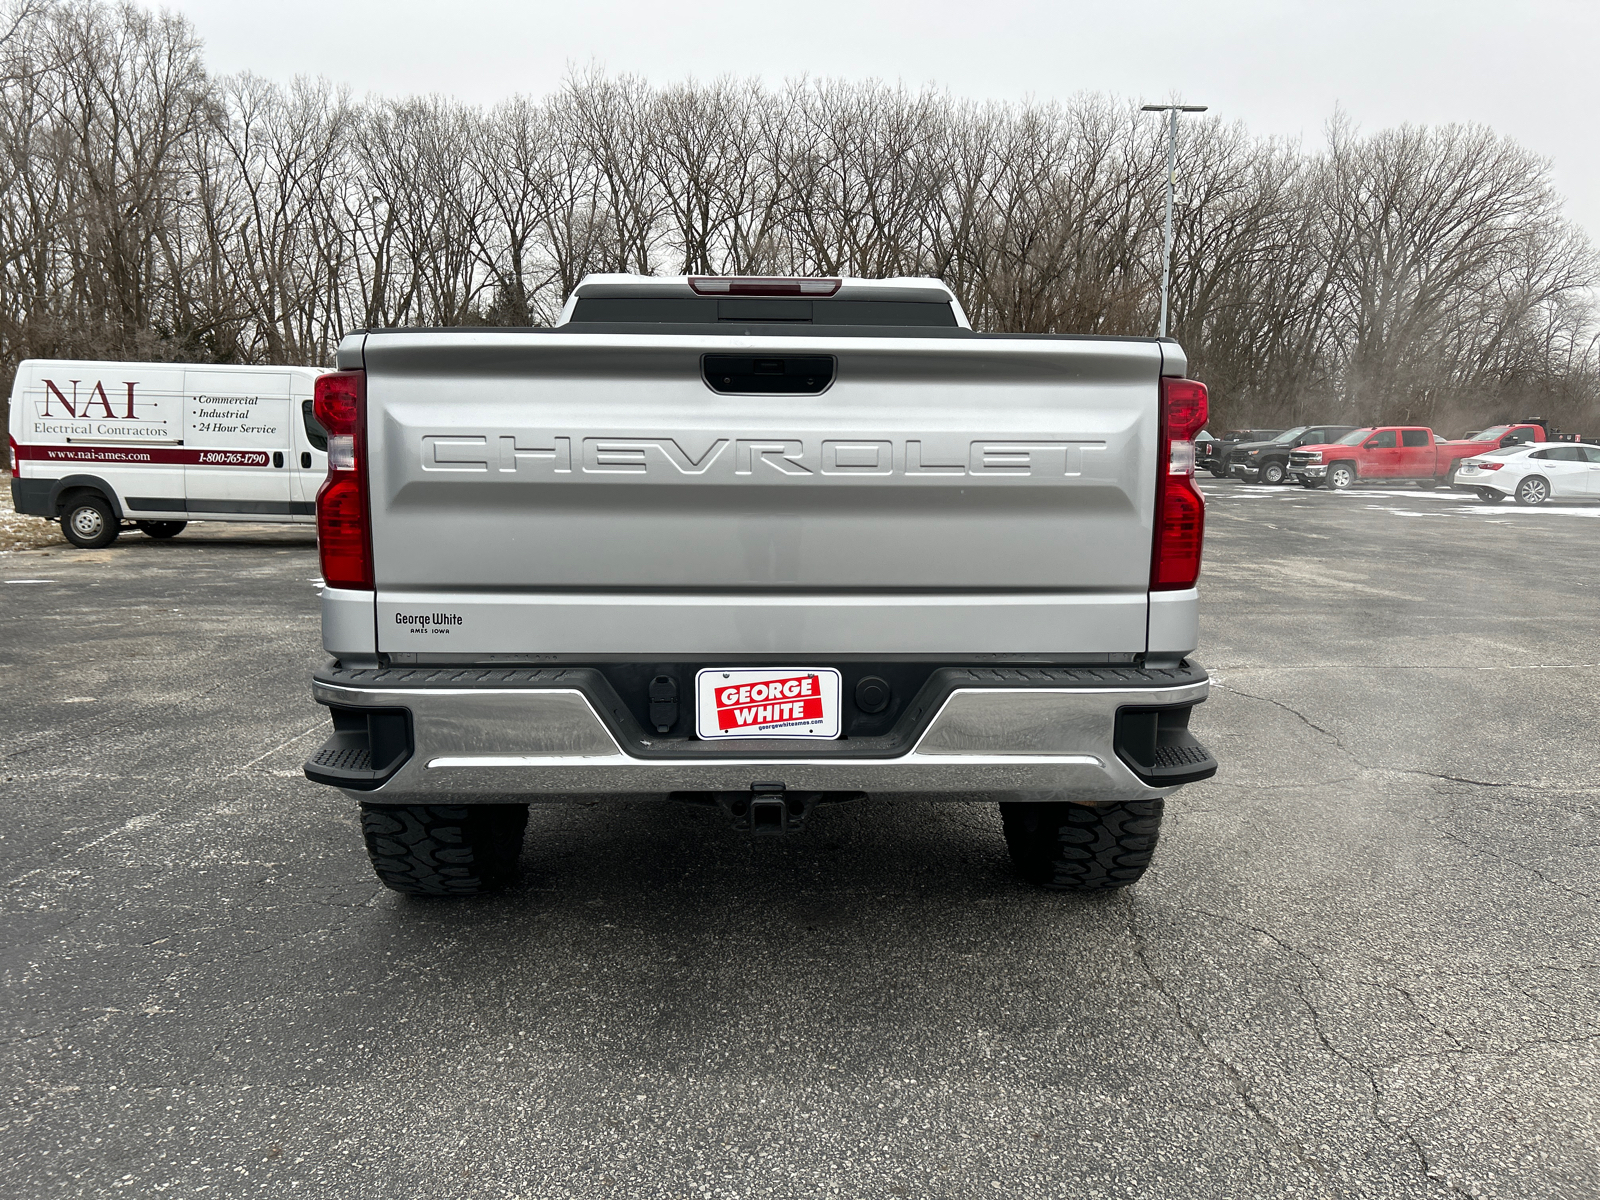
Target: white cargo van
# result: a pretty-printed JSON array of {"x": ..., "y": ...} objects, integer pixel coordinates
[{"x": 97, "y": 444}]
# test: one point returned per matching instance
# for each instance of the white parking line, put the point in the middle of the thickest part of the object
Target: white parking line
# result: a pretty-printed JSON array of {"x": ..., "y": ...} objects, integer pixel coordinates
[
  {"x": 1550, "y": 510},
  {"x": 1441, "y": 497}
]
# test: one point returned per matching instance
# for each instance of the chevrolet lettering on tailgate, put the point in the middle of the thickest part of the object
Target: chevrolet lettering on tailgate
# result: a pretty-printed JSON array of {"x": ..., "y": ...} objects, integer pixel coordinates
[{"x": 513, "y": 454}]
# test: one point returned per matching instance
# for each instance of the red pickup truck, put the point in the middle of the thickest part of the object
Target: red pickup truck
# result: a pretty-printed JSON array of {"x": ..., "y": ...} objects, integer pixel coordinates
[
  {"x": 1396, "y": 452},
  {"x": 1509, "y": 435}
]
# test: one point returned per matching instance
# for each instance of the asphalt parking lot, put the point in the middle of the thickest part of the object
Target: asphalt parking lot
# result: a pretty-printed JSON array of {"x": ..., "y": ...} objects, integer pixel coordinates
[{"x": 1366, "y": 963}]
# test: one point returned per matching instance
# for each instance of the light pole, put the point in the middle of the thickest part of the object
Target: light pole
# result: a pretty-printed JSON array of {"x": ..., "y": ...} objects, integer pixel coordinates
[{"x": 1172, "y": 172}]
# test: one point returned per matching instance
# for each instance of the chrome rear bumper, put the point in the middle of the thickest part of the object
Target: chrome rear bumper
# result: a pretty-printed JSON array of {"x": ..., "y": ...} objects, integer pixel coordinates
[{"x": 507, "y": 743}]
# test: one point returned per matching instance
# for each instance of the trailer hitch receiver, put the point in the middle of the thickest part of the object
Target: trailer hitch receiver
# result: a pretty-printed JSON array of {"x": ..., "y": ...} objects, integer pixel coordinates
[{"x": 768, "y": 810}]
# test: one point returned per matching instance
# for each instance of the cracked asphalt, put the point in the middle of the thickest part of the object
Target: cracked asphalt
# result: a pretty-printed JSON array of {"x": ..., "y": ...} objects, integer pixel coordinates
[{"x": 1365, "y": 963}]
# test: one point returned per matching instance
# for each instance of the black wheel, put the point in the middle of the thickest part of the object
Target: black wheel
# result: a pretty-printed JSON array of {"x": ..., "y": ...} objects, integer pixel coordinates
[
  {"x": 161, "y": 530},
  {"x": 1533, "y": 491},
  {"x": 1311, "y": 484},
  {"x": 1271, "y": 472},
  {"x": 1341, "y": 476},
  {"x": 1219, "y": 472},
  {"x": 87, "y": 521},
  {"x": 1082, "y": 847},
  {"x": 1427, "y": 485},
  {"x": 437, "y": 850},
  {"x": 1490, "y": 496}
]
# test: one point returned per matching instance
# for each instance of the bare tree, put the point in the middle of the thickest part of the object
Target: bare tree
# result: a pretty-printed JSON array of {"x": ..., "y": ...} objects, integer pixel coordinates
[{"x": 147, "y": 209}]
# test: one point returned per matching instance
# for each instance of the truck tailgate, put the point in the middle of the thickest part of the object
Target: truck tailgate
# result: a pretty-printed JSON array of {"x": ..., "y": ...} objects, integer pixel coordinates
[{"x": 583, "y": 494}]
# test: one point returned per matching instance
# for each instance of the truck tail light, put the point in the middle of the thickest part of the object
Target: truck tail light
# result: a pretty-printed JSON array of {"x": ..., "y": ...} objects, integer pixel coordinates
[
  {"x": 1180, "y": 509},
  {"x": 344, "y": 513},
  {"x": 752, "y": 285}
]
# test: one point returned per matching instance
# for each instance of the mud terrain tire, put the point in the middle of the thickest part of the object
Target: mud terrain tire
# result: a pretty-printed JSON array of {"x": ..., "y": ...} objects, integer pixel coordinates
[
  {"x": 438, "y": 850},
  {"x": 1082, "y": 847}
]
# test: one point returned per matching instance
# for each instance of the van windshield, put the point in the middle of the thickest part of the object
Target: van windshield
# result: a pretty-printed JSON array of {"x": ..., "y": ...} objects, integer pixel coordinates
[{"x": 1353, "y": 437}]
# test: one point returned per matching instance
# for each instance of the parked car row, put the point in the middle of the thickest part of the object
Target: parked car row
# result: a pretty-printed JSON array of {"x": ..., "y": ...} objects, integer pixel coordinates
[
  {"x": 1399, "y": 452},
  {"x": 1523, "y": 461},
  {"x": 1267, "y": 460}
]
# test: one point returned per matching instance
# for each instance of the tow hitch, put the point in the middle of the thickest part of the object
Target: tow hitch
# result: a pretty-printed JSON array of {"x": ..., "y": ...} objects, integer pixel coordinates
[{"x": 769, "y": 810}]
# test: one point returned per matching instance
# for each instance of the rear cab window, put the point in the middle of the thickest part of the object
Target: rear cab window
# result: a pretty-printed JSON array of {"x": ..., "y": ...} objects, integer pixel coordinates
[{"x": 706, "y": 310}]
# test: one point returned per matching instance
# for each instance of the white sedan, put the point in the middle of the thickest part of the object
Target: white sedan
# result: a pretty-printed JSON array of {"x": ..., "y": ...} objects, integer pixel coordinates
[{"x": 1533, "y": 473}]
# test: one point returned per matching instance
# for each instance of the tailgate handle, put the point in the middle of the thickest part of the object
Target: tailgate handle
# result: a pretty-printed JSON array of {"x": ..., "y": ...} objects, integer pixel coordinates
[{"x": 791, "y": 374}]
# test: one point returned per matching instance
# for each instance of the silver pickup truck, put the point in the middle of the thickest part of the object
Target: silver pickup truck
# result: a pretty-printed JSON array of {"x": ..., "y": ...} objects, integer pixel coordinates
[{"x": 762, "y": 544}]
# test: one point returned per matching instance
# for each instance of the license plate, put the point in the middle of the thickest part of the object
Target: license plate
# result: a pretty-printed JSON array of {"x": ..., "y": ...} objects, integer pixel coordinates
[{"x": 781, "y": 702}]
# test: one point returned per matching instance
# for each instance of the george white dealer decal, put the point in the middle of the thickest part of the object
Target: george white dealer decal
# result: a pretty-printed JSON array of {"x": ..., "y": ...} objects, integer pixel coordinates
[
  {"x": 763, "y": 458},
  {"x": 425, "y": 623}
]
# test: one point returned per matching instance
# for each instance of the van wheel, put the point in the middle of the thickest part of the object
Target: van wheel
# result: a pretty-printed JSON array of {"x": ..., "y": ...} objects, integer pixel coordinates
[
  {"x": 1271, "y": 473},
  {"x": 1341, "y": 476},
  {"x": 161, "y": 530},
  {"x": 436, "y": 850},
  {"x": 88, "y": 522},
  {"x": 1533, "y": 491},
  {"x": 1082, "y": 847}
]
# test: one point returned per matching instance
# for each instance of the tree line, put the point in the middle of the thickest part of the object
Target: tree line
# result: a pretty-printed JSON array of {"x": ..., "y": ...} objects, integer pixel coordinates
[{"x": 150, "y": 209}]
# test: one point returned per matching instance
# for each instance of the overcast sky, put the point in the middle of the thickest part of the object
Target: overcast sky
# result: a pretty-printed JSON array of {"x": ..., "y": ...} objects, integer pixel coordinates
[{"x": 1525, "y": 67}]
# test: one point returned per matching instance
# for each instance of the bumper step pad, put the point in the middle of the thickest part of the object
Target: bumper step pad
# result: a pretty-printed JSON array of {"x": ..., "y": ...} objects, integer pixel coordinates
[
  {"x": 367, "y": 747},
  {"x": 1157, "y": 746}
]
